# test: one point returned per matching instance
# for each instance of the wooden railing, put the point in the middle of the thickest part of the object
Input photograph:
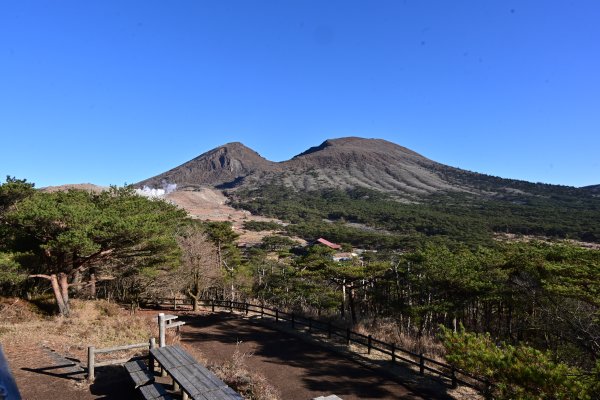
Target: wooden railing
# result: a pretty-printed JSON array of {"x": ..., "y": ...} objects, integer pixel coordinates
[
  {"x": 92, "y": 351},
  {"x": 397, "y": 354}
]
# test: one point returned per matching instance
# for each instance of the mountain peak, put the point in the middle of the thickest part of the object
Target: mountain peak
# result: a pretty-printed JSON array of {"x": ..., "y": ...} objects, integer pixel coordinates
[
  {"x": 235, "y": 146},
  {"x": 360, "y": 146},
  {"x": 222, "y": 166}
]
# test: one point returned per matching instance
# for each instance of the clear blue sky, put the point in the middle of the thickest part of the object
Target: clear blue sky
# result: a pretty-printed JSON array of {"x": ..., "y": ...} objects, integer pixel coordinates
[{"x": 110, "y": 92}]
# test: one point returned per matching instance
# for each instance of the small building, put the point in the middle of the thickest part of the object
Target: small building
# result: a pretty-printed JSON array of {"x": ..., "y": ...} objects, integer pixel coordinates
[
  {"x": 344, "y": 256},
  {"x": 328, "y": 244}
]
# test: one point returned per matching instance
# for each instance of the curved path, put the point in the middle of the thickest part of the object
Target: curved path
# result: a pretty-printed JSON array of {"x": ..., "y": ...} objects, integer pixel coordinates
[{"x": 299, "y": 370}]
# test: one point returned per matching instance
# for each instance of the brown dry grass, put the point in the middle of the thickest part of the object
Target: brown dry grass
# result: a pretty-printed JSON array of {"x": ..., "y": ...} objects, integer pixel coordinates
[
  {"x": 14, "y": 310},
  {"x": 387, "y": 330},
  {"x": 250, "y": 384},
  {"x": 96, "y": 323},
  {"x": 104, "y": 324}
]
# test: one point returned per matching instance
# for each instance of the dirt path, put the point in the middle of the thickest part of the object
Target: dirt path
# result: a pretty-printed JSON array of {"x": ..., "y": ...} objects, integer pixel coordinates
[
  {"x": 299, "y": 370},
  {"x": 42, "y": 374}
]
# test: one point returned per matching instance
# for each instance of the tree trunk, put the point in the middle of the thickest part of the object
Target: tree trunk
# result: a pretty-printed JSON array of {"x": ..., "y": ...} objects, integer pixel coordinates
[
  {"x": 62, "y": 308},
  {"x": 343, "y": 305},
  {"x": 93, "y": 286},
  {"x": 64, "y": 292},
  {"x": 195, "y": 296},
  {"x": 219, "y": 257},
  {"x": 60, "y": 288},
  {"x": 351, "y": 304}
]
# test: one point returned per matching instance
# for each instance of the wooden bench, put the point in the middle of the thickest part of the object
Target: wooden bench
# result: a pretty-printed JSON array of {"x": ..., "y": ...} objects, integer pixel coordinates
[
  {"x": 139, "y": 373},
  {"x": 194, "y": 379}
]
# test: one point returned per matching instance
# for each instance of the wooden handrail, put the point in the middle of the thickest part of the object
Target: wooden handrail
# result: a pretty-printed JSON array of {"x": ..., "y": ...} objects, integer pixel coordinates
[
  {"x": 420, "y": 360},
  {"x": 92, "y": 351}
]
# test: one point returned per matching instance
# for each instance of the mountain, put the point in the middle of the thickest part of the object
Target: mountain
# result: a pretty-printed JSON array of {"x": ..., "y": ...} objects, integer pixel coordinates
[
  {"x": 342, "y": 163},
  {"x": 371, "y": 163},
  {"x": 221, "y": 167},
  {"x": 336, "y": 163},
  {"x": 371, "y": 192}
]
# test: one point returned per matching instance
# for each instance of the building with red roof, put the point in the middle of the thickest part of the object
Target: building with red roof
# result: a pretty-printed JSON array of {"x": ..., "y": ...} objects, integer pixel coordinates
[{"x": 328, "y": 244}]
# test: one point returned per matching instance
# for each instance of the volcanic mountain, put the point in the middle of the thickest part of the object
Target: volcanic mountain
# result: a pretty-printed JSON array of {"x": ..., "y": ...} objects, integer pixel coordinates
[
  {"x": 339, "y": 164},
  {"x": 224, "y": 166}
]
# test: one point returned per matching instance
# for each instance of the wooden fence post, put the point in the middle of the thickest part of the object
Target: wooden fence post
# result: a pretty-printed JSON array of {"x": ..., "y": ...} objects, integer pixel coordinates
[
  {"x": 150, "y": 358},
  {"x": 309, "y": 325},
  {"x": 421, "y": 364},
  {"x": 487, "y": 391},
  {"x": 369, "y": 344},
  {"x": 347, "y": 336},
  {"x": 231, "y": 306},
  {"x": 454, "y": 381},
  {"x": 293, "y": 321},
  {"x": 212, "y": 302},
  {"x": 246, "y": 306},
  {"x": 328, "y": 329},
  {"x": 262, "y": 312},
  {"x": 276, "y": 315},
  {"x": 393, "y": 353},
  {"x": 161, "y": 330},
  {"x": 174, "y": 302},
  {"x": 91, "y": 362}
]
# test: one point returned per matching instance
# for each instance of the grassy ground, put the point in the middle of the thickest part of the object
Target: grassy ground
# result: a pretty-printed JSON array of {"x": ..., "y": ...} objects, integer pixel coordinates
[
  {"x": 29, "y": 332},
  {"x": 98, "y": 323}
]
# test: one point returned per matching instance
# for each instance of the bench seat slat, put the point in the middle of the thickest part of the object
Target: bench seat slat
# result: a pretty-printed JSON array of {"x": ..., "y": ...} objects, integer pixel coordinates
[
  {"x": 133, "y": 366},
  {"x": 184, "y": 355},
  {"x": 139, "y": 373},
  {"x": 154, "y": 391}
]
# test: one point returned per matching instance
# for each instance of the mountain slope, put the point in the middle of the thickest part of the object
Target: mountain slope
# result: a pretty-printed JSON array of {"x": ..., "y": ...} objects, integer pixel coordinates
[
  {"x": 371, "y": 163},
  {"x": 594, "y": 189},
  {"x": 337, "y": 163},
  {"x": 376, "y": 193},
  {"x": 223, "y": 166},
  {"x": 345, "y": 163}
]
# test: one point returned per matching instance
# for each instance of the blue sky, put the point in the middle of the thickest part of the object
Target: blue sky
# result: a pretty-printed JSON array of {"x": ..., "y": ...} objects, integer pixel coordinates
[{"x": 111, "y": 92}]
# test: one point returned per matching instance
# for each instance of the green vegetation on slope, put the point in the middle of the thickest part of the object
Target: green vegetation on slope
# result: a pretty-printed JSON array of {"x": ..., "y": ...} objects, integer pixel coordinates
[{"x": 378, "y": 221}]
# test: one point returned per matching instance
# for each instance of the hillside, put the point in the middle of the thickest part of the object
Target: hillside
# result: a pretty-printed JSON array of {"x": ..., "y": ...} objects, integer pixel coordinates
[
  {"x": 337, "y": 163},
  {"x": 224, "y": 166},
  {"x": 344, "y": 163},
  {"x": 376, "y": 193},
  {"x": 594, "y": 189}
]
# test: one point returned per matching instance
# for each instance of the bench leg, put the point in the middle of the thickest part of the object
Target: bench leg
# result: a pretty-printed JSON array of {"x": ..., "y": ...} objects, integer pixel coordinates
[
  {"x": 163, "y": 372},
  {"x": 184, "y": 396},
  {"x": 175, "y": 385}
]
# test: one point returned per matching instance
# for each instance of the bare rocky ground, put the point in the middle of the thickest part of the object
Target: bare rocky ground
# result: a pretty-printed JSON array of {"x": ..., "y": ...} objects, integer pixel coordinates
[{"x": 211, "y": 205}]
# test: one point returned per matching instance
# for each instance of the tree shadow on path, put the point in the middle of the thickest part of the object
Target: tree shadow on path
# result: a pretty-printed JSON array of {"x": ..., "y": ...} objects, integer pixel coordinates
[{"x": 298, "y": 369}]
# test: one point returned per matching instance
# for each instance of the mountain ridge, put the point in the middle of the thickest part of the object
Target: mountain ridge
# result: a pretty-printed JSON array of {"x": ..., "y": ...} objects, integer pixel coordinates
[{"x": 340, "y": 163}]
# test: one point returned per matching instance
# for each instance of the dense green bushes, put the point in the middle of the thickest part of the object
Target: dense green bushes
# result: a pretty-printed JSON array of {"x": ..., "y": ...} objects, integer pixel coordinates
[{"x": 520, "y": 371}]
